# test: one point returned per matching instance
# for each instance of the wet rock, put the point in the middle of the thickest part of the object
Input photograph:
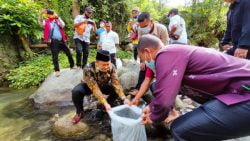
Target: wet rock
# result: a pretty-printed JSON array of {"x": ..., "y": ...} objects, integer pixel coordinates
[
  {"x": 100, "y": 137},
  {"x": 63, "y": 128},
  {"x": 56, "y": 91}
]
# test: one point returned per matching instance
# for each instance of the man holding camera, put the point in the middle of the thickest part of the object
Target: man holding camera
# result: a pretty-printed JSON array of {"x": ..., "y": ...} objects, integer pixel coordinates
[
  {"x": 83, "y": 26},
  {"x": 55, "y": 36},
  {"x": 177, "y": 28}
]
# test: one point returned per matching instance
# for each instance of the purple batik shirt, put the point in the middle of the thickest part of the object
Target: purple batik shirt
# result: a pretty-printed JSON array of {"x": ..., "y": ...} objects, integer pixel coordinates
[{"x": 218, "y": 75}]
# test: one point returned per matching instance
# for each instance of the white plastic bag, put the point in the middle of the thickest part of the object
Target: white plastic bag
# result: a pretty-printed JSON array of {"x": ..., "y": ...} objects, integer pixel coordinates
[{"x": 126, "y": 124}]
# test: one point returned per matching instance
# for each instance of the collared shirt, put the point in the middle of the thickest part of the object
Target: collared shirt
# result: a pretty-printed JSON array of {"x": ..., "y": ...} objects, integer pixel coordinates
[
  {"x": 180, "y": 24},
  {"x": 86, "y": 35},
  {"x": 95, "y": 79},
  {"x": 238, "y": 24},
  {"x": 211, "y": 73},
  {"x": 159, "y": 31},
  {"x": 55, "y": 31},
  {"x": 108, "y": 41}
]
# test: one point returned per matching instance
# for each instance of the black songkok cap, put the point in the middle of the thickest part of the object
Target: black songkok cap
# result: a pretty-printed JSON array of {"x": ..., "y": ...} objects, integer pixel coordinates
[{"x": 103, "y": 55}]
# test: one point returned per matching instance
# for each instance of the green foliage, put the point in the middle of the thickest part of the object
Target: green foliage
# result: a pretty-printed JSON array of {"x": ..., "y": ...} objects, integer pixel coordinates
[
  {"x": 206, "y": 22},
  {"x": 124, "y": 54},
  {"x": 31, "y": 73},
  {"x": 116, "y": 11},
  {"x": 153, "y": 7},
  {"x": 19, "y": 17}
]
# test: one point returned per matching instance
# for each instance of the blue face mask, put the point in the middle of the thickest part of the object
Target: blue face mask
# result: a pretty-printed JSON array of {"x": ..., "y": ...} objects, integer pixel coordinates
[
  {"x": 146, "y": 30},
  {"x": 150, "y": 64}
]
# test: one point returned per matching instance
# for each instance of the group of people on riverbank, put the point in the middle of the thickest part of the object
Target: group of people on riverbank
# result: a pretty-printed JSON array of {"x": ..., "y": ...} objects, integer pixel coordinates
[{"x": 220, "y": 82}]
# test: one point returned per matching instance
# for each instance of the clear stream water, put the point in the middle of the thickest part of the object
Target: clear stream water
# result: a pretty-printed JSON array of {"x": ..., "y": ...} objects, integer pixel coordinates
[{"x": 20, "y": 121}]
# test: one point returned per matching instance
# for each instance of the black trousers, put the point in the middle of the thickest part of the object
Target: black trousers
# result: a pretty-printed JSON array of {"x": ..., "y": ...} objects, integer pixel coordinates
[
  {"x": 141, "y": 78},
  {"x": 82, "y": 89},
  {"x": 82, "y": 53},
  {"x": 56, "y": 46},
  {"x": 213, "y": 121},
  {"x": 113, "y": 58},
  {"x": 135, "y": 51}
]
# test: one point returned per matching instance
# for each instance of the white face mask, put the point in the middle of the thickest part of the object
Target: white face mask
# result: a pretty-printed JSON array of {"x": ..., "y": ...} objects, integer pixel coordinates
[{"x": 145, "y": 30}]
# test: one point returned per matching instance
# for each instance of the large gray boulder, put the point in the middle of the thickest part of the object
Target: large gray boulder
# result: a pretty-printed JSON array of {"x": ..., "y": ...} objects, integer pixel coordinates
[
  {"x": 56, "y": 91},
  {"x": 128, "y": 74}
]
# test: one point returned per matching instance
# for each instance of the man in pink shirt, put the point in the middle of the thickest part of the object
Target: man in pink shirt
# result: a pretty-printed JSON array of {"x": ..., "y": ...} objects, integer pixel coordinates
[{"x": 221, "y": 83}]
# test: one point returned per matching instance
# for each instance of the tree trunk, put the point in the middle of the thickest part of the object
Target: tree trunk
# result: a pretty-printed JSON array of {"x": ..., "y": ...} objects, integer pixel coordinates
[
  {"x": 25, "y": 43},
  {"x": 75, "y": 8}
]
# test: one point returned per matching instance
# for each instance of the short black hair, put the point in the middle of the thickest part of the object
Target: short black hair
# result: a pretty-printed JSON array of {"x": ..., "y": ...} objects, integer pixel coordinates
[
  {"x": 174, "y": 10},
  {"x": 143, "y": 16},
  {"x": 50, "y": 12},
  {"x": 108, "y": 22}
]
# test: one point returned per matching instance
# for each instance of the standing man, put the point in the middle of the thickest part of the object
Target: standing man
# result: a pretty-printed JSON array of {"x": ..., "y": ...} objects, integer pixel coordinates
[
  {"x": 177, "y": 28},
  {"x": 147, "y": 26},
  {"x": 83, "y": 26},
  {"x": 133, "y": 29},
  {"x": 109, "y": 41},
  {"x": 221, "y": 83},
  {"x": 100, "y": 78},
  {"x": 55, "y": 36},
  {"x": 236, "y": 40}
]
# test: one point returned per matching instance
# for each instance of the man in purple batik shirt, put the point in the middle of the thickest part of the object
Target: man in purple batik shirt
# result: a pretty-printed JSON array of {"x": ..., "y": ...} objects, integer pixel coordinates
[{"x": 221, "y": 83}]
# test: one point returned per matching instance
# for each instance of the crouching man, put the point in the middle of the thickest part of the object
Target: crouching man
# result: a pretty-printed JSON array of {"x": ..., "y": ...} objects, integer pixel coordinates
[{"x": 99, "y": 78}]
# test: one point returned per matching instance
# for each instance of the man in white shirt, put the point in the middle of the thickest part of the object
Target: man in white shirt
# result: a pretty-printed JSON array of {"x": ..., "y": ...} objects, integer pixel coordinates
[
  {"x": 109, "y": 41},
  {"x": 177, "y": 28},
  {"x": 83, "y": 26}
]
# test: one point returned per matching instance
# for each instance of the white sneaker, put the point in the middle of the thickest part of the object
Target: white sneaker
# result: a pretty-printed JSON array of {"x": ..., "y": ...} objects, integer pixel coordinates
[{"x": 57, "y": 73}]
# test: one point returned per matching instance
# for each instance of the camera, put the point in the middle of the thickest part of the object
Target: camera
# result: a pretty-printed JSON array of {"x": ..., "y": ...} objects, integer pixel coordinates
[{"x": 90, "y": 22}]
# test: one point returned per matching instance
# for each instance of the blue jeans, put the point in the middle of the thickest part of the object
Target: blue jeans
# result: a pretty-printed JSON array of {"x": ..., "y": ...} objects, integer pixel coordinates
[{"x": 213, "y": 121}]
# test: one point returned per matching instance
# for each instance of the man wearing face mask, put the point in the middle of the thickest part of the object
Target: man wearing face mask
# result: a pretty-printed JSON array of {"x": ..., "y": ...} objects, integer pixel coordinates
[
  {"x": 56, "y": 37},
  {"x": 221, "y": 83},
  {"x": 236, "y": 41},
  {"x": 133, "y": 29},
  {"x": 100, "y": 78},
  {"x": 82, "y": 37},
  {"x": 147, "y": 26}
]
